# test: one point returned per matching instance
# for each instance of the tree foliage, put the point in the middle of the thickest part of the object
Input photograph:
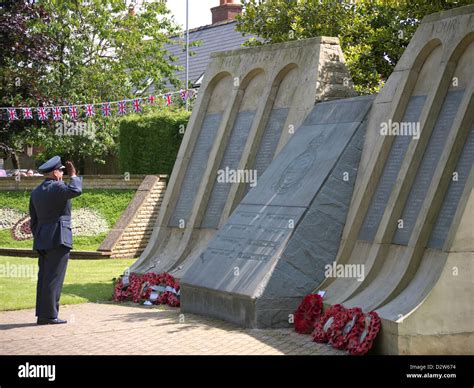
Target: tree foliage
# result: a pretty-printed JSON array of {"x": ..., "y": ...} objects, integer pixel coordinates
[
  {"x": 373, "y": 34},
  {"x": 61, "y": 52}
]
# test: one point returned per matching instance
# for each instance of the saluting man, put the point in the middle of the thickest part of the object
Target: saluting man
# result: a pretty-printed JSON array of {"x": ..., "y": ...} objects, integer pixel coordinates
[{"x": 50, "y": 212}]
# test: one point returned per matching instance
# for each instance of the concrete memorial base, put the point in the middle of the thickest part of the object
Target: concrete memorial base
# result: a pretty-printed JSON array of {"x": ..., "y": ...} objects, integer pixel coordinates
[{"x": 274, "y": 246}]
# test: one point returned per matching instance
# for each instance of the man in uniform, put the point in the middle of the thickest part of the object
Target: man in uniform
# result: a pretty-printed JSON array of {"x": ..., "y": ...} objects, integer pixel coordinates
[{"x": 50, "y": 212}]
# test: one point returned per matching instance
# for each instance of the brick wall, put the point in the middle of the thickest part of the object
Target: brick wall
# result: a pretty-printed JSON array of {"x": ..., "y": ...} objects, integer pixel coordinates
[
  {"x": 114, "y": 182},
  {"x": 131, "y": 233}
]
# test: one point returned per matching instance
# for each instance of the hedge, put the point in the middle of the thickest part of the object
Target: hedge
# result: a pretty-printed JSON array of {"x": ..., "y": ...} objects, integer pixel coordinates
[{"x": 149, "y": 143}]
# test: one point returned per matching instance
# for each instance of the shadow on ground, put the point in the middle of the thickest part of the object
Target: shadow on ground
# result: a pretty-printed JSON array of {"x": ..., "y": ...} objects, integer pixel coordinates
[
  {"x": 169, "y": 316},
  {"x": 93, "y": 292},
  {"x": 10, "y": 326}
]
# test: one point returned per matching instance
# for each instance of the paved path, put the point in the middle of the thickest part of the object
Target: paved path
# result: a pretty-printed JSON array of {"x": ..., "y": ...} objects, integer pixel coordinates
[{"x": 108, "y": 328}]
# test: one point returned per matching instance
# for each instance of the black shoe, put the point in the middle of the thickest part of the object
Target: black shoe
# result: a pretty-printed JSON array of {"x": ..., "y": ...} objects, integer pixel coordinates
[{"x": 46, "y": 321}]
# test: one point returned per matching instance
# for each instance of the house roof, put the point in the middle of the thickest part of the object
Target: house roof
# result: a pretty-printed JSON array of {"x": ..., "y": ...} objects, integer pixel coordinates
[{"x": 214, "y": 37}]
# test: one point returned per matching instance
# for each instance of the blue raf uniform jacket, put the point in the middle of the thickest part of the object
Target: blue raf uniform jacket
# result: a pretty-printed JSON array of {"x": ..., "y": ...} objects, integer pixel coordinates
[{"x": 50, "y": 212}]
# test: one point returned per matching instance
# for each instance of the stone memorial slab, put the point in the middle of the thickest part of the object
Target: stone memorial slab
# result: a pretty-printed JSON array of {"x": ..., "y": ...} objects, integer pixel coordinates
[
  {"x": 245, "y": 245},
  {"x": 196, "y": 168},
  {"x": 427, "y": 166},
  {"x": 390, "y": 172},
  {"x": 324, "y": 134},
  {"x": 453, "y": 195},
  {"x": 269, "y": 142},
  {"x": 245, "y": 258},
  {"x": 230, "y": 160}
]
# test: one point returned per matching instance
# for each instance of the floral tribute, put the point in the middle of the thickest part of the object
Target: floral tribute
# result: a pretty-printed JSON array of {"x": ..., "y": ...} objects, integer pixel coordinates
[
  {"x": 22, "y": 229},
  {"x": 346, "y": 329},
  {"x": 362, "y": 338},
  {"x": 9, "y": 217},
  {"x": 150, "y": 288},
  {"x": 85, "y": 222},
  {"x": 346, "y": 325},
  {"x": 307, "y": 313},
  {"x": 332, "y": 319}
]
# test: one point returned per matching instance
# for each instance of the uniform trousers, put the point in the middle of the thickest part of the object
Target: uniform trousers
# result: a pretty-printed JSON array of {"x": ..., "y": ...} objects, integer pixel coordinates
[{"x": 52, "y": 269}]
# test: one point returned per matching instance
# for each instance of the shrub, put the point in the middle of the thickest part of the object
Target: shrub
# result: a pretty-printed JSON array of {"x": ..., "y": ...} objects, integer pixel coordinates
[{"x": 149, "y": 143}]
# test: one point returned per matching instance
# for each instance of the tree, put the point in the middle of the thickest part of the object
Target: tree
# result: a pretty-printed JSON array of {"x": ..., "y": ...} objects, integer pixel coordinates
[
  {"x": 103, "y": 51},
  {"x": 373, "y": 34},
  {"x": 24, "y": 55}
]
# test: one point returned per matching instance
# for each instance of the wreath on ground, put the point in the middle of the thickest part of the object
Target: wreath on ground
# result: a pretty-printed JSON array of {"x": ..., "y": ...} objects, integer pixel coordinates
[
  {"x": 332, "y": 319},
  {"x": 149, "y": 289},
  {"x": 361, "y": 339},
  {"x": 347, "y": 326},
  {"x": 307, "y": 313},
  {"x": 346, "y": 329}
]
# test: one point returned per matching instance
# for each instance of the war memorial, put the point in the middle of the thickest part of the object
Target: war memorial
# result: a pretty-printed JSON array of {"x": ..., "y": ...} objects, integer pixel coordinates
[{"x": 285, "y": 173}]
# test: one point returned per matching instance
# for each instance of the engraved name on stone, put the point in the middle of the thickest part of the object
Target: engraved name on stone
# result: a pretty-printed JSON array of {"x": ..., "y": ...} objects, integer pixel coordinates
[
  {"x": 455, "y": 189},
  {"x": 270, "y": 139},
  {"x": 195, "y": 169},
  {"x": 390, "y": 172},
  {"x": 427, "y": 167},
  {"x": 230, "y": 160}
]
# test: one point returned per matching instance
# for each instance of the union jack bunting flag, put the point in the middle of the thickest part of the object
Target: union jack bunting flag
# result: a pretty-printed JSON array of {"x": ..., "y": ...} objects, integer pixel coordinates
[
  {"x": 42, "y": 113},
  {"x": 151, "y": 100},
  {"x": 27, "y": 113},
  {"x": 136, "y": 105},
  {"x": 122, "y": 107},
  {"x": 168, "y": 98},
  {"x": 90, "y": 110},
  {"x": 183, "y": 94},
  {"x": 12, "y": 114},
  {"x": 73, "y": 112},
  {"x": 57, "y": 113},
  {"x": 106, "y": 109}
]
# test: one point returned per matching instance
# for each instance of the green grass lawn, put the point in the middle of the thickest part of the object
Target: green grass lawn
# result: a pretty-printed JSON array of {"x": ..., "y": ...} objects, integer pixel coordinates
[
  {"x": 86, "y": 281},
  {"x": 109, "y": 203},
  {"x": 81, "y": 243}
]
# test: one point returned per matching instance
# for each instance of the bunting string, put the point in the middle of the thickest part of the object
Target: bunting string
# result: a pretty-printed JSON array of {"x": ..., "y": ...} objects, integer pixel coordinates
[{"x": 91, "y": 109}]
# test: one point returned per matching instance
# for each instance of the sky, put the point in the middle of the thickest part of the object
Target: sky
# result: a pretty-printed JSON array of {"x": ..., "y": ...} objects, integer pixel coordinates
[{"x": 199, "y": 11}]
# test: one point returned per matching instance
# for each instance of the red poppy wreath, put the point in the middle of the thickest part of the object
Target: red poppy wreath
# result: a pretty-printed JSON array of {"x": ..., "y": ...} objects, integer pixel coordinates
[
  {"x": 307, "y": 313},
  {"x": 345, "y": 327},
  {"x": 332, "y": 318},
  {"x": 360, "y": 340},
  {"x": 164, "y": 287}
]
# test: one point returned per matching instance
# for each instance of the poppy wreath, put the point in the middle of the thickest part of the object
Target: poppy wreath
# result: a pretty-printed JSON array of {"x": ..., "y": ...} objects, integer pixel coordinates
[
  {"x": 22, "y": 229},
  {"x": 346, "y": 326},
  {"x": 360, "y": 340},
  {"x": 323, "y": 328},
  {"x": 168, "y": 298},
  {"x": 119, "y": 291},
  {"x": 307, "y": 313},
  {"x": 140, "y": 287},
  {"x": 126, "y": 291}
]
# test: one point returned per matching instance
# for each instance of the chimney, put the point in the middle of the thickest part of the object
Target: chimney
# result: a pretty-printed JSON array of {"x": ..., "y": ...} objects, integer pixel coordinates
[{"x": 227, "y": 10}]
